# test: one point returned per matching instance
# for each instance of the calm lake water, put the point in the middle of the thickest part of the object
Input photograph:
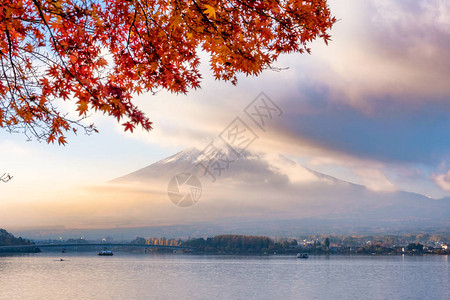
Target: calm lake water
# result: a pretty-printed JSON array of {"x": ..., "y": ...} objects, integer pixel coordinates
[{"x": 129, "y": 276}]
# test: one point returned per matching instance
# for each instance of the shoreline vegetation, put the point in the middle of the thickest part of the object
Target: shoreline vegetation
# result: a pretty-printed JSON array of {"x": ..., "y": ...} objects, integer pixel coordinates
[
  {"x": 321, "y": 245},
  {"x": 230, "y": 244},
  {"x": 7, "y": 239}
]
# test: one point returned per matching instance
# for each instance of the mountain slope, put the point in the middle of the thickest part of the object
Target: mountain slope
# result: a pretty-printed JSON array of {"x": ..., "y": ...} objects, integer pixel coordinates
[{"x": 258, "y": 190}]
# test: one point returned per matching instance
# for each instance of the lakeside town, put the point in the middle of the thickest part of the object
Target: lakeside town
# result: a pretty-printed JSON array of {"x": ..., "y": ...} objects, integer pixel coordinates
[
  {"x": 247, "y": 244},
  {"x": 324, "y": 244}
]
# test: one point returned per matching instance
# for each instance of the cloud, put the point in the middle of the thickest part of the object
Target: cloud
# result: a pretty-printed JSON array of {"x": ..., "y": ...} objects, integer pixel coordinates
[
  {"x": 375, "y": 180},
  {"x": 442, "y": 180},
  {"x": 395, "y": 50},
  {"x": 377, "y": 91}
]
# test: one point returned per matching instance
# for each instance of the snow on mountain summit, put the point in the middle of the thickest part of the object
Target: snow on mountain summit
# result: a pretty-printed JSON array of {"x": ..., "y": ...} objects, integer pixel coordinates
[{"x": 224, "y": 163}]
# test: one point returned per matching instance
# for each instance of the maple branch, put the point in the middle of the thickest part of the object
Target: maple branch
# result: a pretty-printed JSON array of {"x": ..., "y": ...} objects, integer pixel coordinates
[
  {"x": 128, "y": 43},
  {"x": 227, "y": 42},
  {"x": 153, "y": 46},
  {"x": 11, "y": 58},
  {"x": 262, "y": 13},
  {"x": 56, "y": 43},
  {"x": 52, "y": 49},
  {"x": 90, "y": 128},
  {"x": 205, "y": 17}
]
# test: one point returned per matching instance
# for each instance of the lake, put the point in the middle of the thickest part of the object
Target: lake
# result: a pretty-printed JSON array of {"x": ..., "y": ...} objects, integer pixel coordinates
[{"x": 140, "y": 276}]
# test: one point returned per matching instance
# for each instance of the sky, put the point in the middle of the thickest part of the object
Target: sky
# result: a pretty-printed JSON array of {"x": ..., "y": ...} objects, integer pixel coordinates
[{"x": 372, "y": 108}]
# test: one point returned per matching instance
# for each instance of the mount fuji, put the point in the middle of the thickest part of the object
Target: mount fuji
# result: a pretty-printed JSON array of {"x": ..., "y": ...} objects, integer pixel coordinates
[{"x": 256, "y": 193}]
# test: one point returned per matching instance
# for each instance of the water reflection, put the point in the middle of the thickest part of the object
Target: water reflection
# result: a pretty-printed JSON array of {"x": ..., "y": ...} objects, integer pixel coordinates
[{"x": 86, "y": 276}]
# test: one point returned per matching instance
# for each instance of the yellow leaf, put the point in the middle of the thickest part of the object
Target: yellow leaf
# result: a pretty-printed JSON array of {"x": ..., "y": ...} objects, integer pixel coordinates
[
  {"x": 82, "y": 107},
  {"x": 210, "y": 11}
]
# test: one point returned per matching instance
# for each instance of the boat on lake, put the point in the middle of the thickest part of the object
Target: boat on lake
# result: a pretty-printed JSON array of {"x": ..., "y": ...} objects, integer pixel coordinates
[
  {"x": 105, "y": 253},
  {"x": 302, "y": 255}
]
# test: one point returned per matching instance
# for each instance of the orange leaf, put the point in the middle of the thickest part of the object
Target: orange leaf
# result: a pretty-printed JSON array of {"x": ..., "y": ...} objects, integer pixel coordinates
[
  {"x": 62, "y": 140},
  {"x": 82, "y": 107},
  {"x": 210, "y": 11}
]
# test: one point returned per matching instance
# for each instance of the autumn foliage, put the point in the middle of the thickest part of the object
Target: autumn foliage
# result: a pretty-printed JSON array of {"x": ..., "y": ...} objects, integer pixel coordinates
[{"x": 99, "y": 53}]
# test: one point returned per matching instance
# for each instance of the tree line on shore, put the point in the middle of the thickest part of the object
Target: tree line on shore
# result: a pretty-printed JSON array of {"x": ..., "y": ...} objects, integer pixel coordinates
[
  {"x": 314, "y": 244},
  {"x": 333, "y": 244},
  {"x": 7, "y": 239}
]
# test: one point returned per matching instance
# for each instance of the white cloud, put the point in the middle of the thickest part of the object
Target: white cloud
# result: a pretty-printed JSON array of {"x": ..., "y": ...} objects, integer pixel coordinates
[
  {"x": 442, "y": 180},
  {"x": 393, "y": 49}
]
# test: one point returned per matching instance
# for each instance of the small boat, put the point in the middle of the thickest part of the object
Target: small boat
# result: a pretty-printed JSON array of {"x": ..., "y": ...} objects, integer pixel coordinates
[
  {"x": 105, "y": 253},
  {"x": 302, "y": 255}
]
